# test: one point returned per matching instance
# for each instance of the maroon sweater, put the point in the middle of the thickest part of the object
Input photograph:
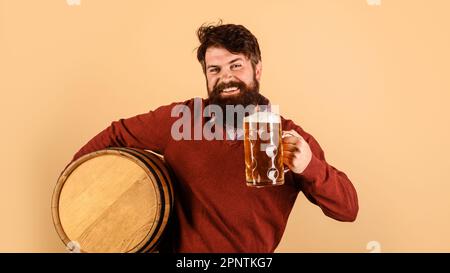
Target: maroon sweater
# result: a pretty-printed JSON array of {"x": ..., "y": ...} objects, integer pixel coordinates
[{"x": 214, "y": 209}]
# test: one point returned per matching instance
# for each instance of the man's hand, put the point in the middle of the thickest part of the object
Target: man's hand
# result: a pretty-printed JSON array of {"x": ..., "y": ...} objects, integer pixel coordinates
[{"x": 296, "y": 151}]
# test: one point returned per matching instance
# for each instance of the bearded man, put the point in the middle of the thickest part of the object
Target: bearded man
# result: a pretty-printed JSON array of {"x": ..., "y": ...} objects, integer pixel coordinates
[{"x": 214, "y": 209}]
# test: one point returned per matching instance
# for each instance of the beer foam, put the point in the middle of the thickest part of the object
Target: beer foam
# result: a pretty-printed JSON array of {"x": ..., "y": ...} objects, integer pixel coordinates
[{"x": 267, "y": 117}]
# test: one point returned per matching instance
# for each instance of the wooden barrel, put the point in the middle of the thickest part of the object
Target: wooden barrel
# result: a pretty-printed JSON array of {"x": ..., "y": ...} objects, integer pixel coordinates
[{"x": 113, "y": 200}]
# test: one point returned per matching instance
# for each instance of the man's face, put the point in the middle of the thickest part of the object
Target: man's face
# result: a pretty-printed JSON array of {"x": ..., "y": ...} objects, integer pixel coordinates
[{"x": 231, "y": 78}]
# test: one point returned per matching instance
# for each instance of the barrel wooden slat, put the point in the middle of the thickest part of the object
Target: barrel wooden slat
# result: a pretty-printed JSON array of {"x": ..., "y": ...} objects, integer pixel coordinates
[
  {"x": 114, "y": 200},
  {"x": 157, "y": 167}
]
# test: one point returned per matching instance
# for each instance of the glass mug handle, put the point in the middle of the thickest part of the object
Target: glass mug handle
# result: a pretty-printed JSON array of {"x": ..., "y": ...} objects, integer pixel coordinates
[{"x": 285, "y": 134}]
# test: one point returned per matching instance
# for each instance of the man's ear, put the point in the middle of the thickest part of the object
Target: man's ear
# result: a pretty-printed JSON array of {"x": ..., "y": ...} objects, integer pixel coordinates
[{"x": 258, "y": 71}]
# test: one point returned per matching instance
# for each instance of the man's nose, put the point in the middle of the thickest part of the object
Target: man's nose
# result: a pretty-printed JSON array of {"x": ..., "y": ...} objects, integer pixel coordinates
[{"x": 227, "y": 76}]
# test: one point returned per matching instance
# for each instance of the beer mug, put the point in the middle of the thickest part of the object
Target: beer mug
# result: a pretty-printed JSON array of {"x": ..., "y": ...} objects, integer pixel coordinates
[{"x": 263, "y": 149}]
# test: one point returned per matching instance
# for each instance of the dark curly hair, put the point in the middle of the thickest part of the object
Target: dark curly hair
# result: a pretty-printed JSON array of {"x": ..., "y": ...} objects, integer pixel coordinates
[{"x": 234, "y": 38}]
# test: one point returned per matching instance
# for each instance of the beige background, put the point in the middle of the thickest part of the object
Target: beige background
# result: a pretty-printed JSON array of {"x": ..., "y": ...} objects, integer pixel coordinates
[{"x": 371, "y": 83}]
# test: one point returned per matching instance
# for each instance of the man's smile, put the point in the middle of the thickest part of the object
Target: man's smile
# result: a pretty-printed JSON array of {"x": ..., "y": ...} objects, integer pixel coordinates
[{"x": 230, "y": 91}]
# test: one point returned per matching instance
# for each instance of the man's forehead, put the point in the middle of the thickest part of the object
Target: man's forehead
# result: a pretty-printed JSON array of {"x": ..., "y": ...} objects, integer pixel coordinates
[{"x": 219, "y": 55}]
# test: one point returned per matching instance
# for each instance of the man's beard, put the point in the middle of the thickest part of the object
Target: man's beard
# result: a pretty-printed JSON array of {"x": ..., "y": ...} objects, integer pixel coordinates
[{"x": 248, "y": 95}]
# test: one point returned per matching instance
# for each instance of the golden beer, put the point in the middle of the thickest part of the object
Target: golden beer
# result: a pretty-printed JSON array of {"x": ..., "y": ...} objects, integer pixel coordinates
[{"x": 263, "y": 150}]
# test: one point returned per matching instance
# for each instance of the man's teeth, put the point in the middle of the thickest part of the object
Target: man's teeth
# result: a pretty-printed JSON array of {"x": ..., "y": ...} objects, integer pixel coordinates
[{"x": 230, "y": 89}]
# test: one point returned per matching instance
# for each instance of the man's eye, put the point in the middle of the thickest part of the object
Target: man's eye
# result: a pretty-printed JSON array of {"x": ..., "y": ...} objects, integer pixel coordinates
[
  {"x": 236, "y": 65},
  {"x": 213, "y": 70}
]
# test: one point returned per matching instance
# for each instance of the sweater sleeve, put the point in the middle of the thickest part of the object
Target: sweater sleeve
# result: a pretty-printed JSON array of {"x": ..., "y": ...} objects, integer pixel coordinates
[
  {"x": 145, "y": 131},
  {"x": 324, "y": 185}
]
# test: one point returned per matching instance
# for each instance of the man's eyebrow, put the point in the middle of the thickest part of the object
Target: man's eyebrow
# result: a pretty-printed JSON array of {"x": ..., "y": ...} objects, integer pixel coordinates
[
  {"x": 234, "y": 60},
  {"x": 230, "y": 62}
]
